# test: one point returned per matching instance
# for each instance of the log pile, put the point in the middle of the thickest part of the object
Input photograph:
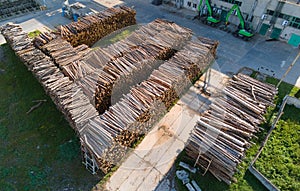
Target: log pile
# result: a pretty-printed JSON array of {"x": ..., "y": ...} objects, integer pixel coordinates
[
  {"x": 68, "y": 97},
  {"x": 43, "y": 38},
  {"x": 140, "y": 57},
  {"x": 130, "y": 61},
  {"x": 70, "y": 84},
  {"x": 92, "y": 28},
  {"x": 138, "y": 110},
  {"x": 63, "y": 53},
  {"x": 222, "y": 134},
  {"x": 68, "y": 58}
]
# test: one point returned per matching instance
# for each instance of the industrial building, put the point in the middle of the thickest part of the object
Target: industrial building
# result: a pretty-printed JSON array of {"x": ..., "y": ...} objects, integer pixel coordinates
[{"x": 277, "y": 19}]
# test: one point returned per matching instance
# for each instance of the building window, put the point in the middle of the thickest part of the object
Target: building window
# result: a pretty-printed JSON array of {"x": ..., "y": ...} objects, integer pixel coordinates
[
  {"x": 280, "y": 15},
  {"x": 239, "y": 3},
  {"x": 194, "y": 5},
  {"x": 295, "y": 22},
  {"x": 287, "y": 17},
  {"x": 270, "y": 12}
]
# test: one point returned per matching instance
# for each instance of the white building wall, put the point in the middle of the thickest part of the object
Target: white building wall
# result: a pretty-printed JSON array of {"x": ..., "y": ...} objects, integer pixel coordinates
[
  {"x": 288, "y": 31},
  {"x": 291, "y": 9},
  {"x": 261, "y": 9}
]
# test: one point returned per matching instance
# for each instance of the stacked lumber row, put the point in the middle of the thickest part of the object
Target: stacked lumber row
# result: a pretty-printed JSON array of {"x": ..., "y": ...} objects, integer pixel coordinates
[
  {"x": 138, "y": 110},
  {"x": 68, "y": 97},
  {"x": 92, "y": 28},
  {"x": 123, "y": 68},
  {"x": 43, "y": 39},
  {"x": 120, "y": 74},
  {"x": 159, "y": 32},
  {"x": 63, "y": 52},
  {"x": 222, "y": 134},
  {"x": 68, "y": 59}
]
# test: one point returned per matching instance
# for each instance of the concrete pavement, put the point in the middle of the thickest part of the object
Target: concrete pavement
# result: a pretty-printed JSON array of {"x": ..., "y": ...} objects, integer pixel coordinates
[
  {"x": 233, "y": 53},
  {"x": 146, "y": 167}
]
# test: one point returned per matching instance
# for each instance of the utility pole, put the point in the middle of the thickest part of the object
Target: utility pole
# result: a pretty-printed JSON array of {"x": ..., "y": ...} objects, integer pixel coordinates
[{"x": 288, "y": 70}]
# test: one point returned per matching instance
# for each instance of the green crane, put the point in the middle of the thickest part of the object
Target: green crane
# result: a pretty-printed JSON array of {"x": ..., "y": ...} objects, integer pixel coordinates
[
  {"x": 210, "y": 19},
  {"x": 241, "y": 32}
]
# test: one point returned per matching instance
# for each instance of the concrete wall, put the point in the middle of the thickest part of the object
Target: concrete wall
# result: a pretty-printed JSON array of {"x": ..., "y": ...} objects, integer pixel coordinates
[
  {"x": 291, "y": 9},
  {"x": 185, "y": 4},
  {"x": 245, "y": 8}
]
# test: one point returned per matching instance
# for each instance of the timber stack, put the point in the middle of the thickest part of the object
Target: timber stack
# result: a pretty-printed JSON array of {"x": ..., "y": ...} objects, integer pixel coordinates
[
  {"x": 124, "y": 63},
  {"x": 222, "y": 134},
  {"x": 68, "y": 58},
  {"x": 68, "y": 97},
  {"x": 137, "y": 111},
  {"x": 70, "y": 76},
  {"x": 92, "y": 28},
  {"x": 130, "y": 61}
]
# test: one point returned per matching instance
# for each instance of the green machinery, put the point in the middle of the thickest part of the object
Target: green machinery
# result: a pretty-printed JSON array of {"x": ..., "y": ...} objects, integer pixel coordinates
[
  {"x": 209, "y": 19},
  {"x": 242, "y": 31}
]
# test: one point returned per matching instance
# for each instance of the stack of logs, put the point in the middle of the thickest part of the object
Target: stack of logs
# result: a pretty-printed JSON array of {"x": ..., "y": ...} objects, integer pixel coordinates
[
  {"x": 119, "y": 65},
  {"x": 130, "y": 61},
  {"x": 138, "y": 110},
  {"x": 222, "y": 134},
  {"x": 107, "y": 136},
  {"x": 92, "y": 28},
  {"x": 67, "y": 96}
]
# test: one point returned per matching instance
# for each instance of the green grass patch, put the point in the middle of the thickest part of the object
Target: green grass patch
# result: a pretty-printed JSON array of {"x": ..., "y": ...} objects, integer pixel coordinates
[
  {"x": 283, "y": 89},
  {"x": 34, "y": 34},
  {"x": 280, "y": 158},
  {"x": 115, "y": 36},
  {"x": 38, "y": 151},
  {"x": 254, "y": 74}
]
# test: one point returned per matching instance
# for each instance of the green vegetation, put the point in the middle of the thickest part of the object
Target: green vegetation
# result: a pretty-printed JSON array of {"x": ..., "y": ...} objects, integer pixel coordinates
[
  {"x": 280, "y": 158},
  {"x": 283, "y": 89},
  {"x": 254, "y": 74},
  {"x": 33, "y": 34},
  {"x": 38, "y": 151},
  {"x": 115, "y": 36},
  {"x": 245, "y": 180}
]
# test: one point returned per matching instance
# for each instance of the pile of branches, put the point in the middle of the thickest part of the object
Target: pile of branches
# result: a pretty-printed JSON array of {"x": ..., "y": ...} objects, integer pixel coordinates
[
  {"x": 222, "y": 134},
  {"x": 92, "y": 28}
]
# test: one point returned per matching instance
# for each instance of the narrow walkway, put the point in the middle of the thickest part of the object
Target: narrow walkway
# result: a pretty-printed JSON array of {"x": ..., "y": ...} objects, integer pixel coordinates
[{"x": 149, "y": 163}]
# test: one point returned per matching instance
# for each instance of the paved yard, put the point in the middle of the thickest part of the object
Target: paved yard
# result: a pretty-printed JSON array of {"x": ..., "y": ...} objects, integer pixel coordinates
[
  {"x": 270, "y": 57},
  {"x": 149, "y": 163}
]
